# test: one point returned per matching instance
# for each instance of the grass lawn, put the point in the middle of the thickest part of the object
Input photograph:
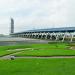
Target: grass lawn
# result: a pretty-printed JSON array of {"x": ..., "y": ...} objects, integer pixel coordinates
[
  {"x": 4, "y": 49},
  {"x": 53, "y": 49},
  {"x": 51, "y": 45},
  {"x": 38, "y": 67},
  {"x": 42, "y": 66},
  {"x": 48, "y": 50}
]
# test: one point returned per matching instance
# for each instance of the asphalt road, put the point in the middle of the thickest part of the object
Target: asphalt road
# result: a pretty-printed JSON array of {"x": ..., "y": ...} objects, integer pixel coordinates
[{"x": 14, "y": 40}]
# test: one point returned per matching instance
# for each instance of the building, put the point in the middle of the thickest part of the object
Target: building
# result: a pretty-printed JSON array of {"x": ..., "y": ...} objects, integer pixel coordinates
[
  {"x": 53, "y": 34},
  {"x": 12, "y": 26}
]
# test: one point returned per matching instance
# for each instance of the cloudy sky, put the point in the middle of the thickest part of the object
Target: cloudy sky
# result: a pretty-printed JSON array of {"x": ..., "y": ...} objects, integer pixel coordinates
[{"x": 36, "y": 14}]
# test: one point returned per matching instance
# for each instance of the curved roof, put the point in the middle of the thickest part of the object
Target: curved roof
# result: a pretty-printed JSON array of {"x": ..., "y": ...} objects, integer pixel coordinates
[
  {"x": 54, "y": 29},
  {"x": 63, "y": 29}
]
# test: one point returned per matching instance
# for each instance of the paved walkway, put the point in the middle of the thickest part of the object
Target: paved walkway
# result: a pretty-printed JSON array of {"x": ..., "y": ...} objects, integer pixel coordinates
[
  {"x": 46, "y": 57},
  {"x": 37, "y": 57}
]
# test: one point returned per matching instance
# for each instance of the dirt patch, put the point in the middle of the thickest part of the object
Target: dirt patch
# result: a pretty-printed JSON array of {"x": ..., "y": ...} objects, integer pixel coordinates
[{"x": 72, "y": 48}]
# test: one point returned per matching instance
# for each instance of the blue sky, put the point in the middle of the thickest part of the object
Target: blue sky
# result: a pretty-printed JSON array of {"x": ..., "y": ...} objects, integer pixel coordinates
[{"x": 36, "y": 14}]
